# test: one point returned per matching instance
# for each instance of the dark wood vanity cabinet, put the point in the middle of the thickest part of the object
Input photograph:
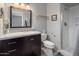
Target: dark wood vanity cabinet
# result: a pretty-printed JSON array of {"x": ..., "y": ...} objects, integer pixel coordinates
[{"x": 22, "y": 46}]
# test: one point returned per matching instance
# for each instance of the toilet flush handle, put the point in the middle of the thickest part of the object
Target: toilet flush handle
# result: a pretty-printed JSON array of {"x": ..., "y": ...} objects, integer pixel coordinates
[
  {"x": 51, "y": 33},
  {"x": 54, "y": 35}
]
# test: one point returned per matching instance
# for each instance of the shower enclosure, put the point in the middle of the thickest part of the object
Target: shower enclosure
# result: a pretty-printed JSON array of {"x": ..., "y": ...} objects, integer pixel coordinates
[{"x": 69, "y": 28}]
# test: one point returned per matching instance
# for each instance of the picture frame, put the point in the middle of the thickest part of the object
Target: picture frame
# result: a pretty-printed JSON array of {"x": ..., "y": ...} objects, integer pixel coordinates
[{"x": 54, "y": 17}]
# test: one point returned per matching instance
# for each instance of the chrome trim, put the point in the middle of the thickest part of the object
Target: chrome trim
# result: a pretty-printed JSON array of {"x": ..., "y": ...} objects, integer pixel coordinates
[
  {"x": 12, "y": 43},
  {"x": 31, "y": 39},
  {"x": 12, "y": 50},
  {"x": 4, "y": 53}
]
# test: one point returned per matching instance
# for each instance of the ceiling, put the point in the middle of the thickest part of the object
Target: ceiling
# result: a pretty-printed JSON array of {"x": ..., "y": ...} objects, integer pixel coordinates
[{"x": 70, "y": 4}]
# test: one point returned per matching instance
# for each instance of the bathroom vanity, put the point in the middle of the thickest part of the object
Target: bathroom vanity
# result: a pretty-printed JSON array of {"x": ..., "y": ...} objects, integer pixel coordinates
[{"x": 21, "y": 44}]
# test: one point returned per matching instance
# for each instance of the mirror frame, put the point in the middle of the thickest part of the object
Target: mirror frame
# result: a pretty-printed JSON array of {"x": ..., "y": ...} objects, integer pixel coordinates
[{"x": 19, "y": 26}]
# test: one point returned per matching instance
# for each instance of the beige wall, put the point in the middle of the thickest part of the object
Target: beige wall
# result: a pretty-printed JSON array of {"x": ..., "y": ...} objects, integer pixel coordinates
[{"x": 53, "y": 27}]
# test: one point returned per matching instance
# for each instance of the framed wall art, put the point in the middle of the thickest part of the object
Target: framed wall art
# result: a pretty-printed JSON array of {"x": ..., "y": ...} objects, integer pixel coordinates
[{"x": 54, "y": 17}]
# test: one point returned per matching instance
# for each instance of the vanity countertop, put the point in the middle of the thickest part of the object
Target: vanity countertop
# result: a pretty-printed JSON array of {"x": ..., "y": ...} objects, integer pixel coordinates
[{"x": 18, "y": 34}]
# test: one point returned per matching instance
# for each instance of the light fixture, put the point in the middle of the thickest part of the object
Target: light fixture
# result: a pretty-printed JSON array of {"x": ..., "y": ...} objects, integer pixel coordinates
[
  {"x": 28, "y": 6},
  {"x": 16, "y": 4},
  {"x": 22, "y": 5}
]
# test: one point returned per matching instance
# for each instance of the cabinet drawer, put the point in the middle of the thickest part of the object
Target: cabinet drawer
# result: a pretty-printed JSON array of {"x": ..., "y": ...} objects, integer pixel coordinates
[
  {"x": 7, "y": 42},
  {"x": 9, "y": 53},
  {"x": 6, "y": 45}
]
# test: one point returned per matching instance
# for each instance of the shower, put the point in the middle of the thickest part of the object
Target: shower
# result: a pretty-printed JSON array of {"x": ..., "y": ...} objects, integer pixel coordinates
[{"x": 69, "y": 27}]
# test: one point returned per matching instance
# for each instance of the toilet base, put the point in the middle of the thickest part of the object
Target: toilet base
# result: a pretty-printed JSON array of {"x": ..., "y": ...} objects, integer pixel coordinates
[{"x": 47, "y": 51}]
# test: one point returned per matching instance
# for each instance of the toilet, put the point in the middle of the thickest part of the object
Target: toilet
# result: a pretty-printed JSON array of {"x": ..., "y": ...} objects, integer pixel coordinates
[{"x": 48, "y": 46}]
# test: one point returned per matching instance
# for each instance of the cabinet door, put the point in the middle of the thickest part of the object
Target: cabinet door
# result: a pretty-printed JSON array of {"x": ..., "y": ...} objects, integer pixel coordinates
[
  {"x": 32, "y": 45},
  {"x": 36, "y": 44},
  {"x": 19, "y": 46},
  {"x": 27, "y": 50}
]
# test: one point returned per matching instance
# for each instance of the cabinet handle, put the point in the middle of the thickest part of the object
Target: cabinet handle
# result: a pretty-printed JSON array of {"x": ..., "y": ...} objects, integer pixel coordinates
[
  {"x": 12, "y": 50},
  {"x": 12, "y": 43},
  {"x": 31, "y": 39},
  {"x": 4, "y": 53}
]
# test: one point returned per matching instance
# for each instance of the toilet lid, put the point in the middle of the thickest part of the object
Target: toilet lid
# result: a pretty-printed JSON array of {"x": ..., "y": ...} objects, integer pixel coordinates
[{"x": 48, "y": 43}]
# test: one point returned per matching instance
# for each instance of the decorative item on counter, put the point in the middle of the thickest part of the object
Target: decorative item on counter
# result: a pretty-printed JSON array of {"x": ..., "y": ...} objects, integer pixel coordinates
[
  {"x": 6, "y": 26},
  {"x": 54, "y": 17},
  {"x": 1, "y": 12}
]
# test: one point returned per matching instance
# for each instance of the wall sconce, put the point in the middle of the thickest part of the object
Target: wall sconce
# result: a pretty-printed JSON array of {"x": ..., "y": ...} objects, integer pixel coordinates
[{"x": 22, "y": 5}]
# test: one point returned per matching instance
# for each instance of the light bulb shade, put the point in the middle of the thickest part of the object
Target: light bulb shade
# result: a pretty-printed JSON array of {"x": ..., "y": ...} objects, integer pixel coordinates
[
  {"x": 28, "y": 6},
  {"x": 22, "y": 4},
  {"x": 16, "y": 4}
]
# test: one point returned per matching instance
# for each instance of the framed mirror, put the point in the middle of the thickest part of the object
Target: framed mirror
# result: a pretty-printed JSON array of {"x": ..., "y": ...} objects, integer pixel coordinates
[{"x": 20, "y": 18}]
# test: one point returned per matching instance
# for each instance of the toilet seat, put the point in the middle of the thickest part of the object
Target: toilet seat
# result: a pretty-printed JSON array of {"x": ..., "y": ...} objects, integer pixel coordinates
[{"x": 49, "y": 44}]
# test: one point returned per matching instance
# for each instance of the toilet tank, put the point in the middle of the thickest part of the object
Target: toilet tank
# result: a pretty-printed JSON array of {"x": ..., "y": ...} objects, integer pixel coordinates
[{"x": 43, "y": 36}]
